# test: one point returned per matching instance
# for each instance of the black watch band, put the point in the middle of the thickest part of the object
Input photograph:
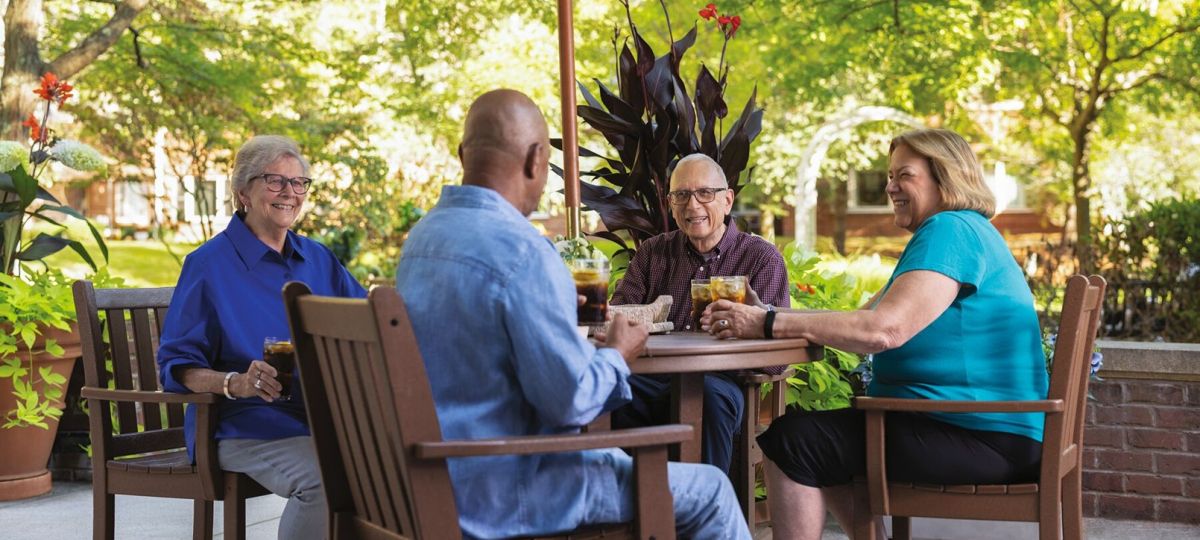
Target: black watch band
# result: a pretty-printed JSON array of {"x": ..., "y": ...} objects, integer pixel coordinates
[{"x": 769, "y": 322}]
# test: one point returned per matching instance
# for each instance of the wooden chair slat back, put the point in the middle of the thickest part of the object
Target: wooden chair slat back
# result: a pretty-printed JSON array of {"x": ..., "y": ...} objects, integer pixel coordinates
[
  {"x": 1072, "y": 367},
  {"x": 360, "y": 362},
  {"x": 132, "y": 316}
]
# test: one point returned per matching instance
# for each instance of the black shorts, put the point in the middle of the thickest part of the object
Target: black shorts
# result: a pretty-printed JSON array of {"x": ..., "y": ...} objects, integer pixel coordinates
[{"x": 828, "y": 448}]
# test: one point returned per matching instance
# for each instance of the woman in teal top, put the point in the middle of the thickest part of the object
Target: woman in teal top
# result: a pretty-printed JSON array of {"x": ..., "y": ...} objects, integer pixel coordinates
[{"x": 956, "y": 321}]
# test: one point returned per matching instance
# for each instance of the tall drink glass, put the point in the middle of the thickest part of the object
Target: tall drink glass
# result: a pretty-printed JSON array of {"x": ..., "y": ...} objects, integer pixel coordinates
[
  {"x": 701, "y": 298},
  {"x": 591, "y": 281},
  {"x": 732, "y": 288},
  {"x": 280, "y": 354}
]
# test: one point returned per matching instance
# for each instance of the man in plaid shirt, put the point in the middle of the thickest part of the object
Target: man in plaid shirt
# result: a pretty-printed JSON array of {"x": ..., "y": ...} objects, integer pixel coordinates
[{"x": 706, "y": 244}]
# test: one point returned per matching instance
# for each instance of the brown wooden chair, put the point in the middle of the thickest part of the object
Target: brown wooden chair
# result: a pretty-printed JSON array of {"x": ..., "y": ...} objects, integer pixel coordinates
[
  {"x": 1062, "y": 446},
  {"x": 378, "y": 441},
  {"x": 747, "y": 456},
  {"x": 136, "y": 429}
]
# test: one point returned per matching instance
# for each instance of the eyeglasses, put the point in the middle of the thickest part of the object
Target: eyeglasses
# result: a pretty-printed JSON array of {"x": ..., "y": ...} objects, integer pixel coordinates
[
  {"x": 275, "y": 183},
  {"x": 703, "y": 195}
]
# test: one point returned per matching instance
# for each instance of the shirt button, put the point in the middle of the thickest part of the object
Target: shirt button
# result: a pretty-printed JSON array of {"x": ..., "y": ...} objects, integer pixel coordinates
[
  {"x": 688, "y": 327},
  {"x": 701, "y": 268}
]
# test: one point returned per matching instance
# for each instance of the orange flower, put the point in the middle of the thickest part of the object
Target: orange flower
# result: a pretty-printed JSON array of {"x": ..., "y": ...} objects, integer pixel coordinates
[
  {"x": 52, "y": 89},
  {"x": 708, "y": 12},
  {"x": 805, "y": 288},
  {"x": 36, "y": 133}
]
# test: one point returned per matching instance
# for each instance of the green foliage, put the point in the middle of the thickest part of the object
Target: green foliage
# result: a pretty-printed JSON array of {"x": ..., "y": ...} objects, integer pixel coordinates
[
  {"x": 27, "y": 307},
  {"x": 1151, "y": 260},
  {"x": 829, "y": 383}
]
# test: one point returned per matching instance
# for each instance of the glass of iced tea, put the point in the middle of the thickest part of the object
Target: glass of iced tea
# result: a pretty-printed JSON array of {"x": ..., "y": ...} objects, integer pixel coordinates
[
  {"x": 732, "y": 288},
  {"x": 701, "y": 298},
  {"x": 591, "y": 281},
  {"x": 280, "y": 354}
]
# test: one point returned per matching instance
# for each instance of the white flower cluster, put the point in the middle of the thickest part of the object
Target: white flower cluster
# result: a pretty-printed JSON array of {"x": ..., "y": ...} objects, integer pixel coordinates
[
  {"x": 78, "y": 156},
  {"x": 12, "y": 154},
  {"x": 576, "y": 248}
]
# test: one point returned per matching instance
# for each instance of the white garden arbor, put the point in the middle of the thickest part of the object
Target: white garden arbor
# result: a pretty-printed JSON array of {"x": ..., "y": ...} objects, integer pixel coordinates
[{"x": 814, "y": 153}]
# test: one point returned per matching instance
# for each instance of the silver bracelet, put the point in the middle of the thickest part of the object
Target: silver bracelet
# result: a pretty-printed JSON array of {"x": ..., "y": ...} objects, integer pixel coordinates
[{"x": 225, "y": 385}]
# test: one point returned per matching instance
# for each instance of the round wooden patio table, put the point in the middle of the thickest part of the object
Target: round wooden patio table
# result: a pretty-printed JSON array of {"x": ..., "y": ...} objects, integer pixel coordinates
[{"x": 688, "y": 356}]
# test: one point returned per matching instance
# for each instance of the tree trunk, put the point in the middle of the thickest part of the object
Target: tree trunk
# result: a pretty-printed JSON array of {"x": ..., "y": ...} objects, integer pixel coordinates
[
  {"x": 22, "y": 65},
  {"x": 23, "y": 62},
  {"x": 1081, "y": 183}
]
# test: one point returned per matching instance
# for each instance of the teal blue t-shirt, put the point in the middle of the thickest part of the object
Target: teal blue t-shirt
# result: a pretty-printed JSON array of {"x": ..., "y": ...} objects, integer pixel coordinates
[{"x": 986, "y": 345}]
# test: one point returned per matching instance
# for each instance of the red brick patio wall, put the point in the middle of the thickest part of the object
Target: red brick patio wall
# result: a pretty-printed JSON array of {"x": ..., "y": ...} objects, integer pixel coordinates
[{"x": 1142, "y": 450}]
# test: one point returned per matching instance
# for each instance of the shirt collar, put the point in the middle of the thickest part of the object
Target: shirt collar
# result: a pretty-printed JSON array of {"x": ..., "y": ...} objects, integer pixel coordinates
[
  {"x": 728, "y": 240},
  {"x": 251, "y": 250},
  {"x": 479, "y": 197}
]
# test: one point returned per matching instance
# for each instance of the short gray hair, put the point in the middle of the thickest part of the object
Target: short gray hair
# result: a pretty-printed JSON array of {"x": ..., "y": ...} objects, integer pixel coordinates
[
  {"x": 256, "y": 155},
  {"x": 698, "y": 157}
]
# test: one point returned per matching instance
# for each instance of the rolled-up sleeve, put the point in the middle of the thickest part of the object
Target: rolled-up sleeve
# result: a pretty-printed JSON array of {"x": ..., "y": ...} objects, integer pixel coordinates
[
  {"x": 188, "y": 336},
  {"x": 567, "y": 379}
]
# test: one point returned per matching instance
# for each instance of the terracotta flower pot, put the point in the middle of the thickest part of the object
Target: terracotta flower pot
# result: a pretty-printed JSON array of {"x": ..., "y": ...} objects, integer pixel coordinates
[{"x": 26, "y": 450}]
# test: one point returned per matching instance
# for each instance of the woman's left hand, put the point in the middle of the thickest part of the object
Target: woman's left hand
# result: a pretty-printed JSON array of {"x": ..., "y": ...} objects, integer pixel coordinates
[{"x": 725, "y": 319}]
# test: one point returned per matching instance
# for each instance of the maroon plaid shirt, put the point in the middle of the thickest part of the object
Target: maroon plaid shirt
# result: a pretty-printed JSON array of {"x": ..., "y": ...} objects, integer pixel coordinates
[{"x": 667, "y": 264}]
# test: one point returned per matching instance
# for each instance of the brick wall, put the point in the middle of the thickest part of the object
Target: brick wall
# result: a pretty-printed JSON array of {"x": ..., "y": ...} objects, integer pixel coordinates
[{"x": 1142, "y": 450}]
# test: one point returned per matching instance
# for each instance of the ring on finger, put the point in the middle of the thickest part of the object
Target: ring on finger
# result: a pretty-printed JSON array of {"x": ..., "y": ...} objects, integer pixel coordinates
[
  {"x": 258, "y": 384},
  {"x": 724, "y": 323}
]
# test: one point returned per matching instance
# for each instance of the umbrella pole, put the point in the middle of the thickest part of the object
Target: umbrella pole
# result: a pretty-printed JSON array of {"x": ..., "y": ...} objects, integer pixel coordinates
[{"x": 570, "y": 142}]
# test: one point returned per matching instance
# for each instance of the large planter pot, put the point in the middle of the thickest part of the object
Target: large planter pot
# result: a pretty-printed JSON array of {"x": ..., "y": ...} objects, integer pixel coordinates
[{"x": 25, "y": 451}]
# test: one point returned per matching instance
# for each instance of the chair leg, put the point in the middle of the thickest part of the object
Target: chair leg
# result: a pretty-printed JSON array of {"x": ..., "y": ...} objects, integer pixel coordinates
[
  {"x": 1072, "y": 505},
  {"x": 202, "y": 519},
  {"x": 1050, "y": 512},
  {"x": 235, "y": 507},
  {"x": 103, "y": 517},
  {"x": 742, "y": 468},
  {"x": 901, "y": 528}
]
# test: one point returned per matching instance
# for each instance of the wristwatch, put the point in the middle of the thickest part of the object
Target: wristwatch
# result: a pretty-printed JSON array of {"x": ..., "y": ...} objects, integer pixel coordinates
[{"x": 769, "y": 322}]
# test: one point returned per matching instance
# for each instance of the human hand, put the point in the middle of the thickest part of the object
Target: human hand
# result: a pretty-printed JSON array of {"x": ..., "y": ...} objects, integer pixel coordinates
[
  {"x": 752, "y": 298},
  {"x": 725, "y": 319},
  {"x": 626, "y": 336},
  {"x": 259, "y": 380}
]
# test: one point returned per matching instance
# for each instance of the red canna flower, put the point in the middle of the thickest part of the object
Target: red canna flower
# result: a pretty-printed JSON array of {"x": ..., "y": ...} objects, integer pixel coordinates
[
  {"x": 36, "y": 133},
  {"x": 723, "y": 20},
  {"x": 52, "y": 89},
  {"x": 734, "y": 23},
  {"x": 708, "y": 12}
]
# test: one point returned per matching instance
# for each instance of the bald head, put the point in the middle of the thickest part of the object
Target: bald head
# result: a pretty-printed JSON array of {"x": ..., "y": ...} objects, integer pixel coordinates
[{"x": 506, "y": 147}]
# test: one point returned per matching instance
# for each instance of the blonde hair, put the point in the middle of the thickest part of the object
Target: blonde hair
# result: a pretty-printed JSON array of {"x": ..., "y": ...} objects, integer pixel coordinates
[{"x": 954, "y": 167}]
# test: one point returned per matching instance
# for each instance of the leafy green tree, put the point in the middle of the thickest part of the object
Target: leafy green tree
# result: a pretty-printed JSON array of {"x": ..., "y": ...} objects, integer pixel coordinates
[
  {"x": 23, "y": 50},
  {"x": 1076, "y": 64}
]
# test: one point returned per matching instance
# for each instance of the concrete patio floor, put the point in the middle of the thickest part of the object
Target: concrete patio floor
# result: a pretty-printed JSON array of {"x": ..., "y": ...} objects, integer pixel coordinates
[{"x": 66, "y": 514}]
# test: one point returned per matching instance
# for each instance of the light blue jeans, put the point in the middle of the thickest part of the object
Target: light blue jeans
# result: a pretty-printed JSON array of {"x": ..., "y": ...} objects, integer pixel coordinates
[
  {"x": 287, "y": 467},
  {"x": 705, "y": 505}
]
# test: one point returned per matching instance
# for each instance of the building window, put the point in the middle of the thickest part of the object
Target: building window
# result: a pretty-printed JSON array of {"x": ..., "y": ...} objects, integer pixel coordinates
[{"x": 866, "y": 190}]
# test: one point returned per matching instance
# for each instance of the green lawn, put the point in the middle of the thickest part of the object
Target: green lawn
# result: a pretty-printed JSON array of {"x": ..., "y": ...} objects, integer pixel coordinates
[{"x": 139, "y": 263}]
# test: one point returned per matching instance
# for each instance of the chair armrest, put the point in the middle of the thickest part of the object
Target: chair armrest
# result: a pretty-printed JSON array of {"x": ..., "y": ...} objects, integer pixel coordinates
[
  {"x": 938, "y": 405},
  {"x": 203, "y": 398},
  {"x": 548, "y": 444}
]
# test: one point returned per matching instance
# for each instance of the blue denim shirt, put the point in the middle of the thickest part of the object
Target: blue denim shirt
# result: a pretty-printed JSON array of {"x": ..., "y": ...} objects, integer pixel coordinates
[
  {"x": 494, "y": 312},
  {"x": 228, "y": 298}
]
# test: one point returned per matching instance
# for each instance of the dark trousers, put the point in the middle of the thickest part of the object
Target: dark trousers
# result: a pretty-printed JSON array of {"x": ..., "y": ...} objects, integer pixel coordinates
[
  {"x": 828, "y": 448},
  {"x": 723, "y": 412}
]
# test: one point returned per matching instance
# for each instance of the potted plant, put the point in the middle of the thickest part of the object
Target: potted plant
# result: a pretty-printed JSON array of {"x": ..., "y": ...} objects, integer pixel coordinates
[
  {"x": 651, "y": 121},
  {"x": 38, "y": 341}
]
